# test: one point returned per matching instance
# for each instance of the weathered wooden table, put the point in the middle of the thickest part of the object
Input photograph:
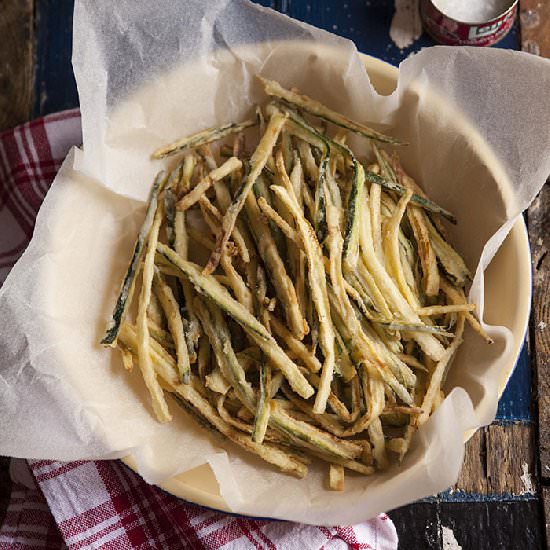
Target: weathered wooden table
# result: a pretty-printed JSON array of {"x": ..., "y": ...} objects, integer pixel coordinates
[{"x": 503, "y": 495}]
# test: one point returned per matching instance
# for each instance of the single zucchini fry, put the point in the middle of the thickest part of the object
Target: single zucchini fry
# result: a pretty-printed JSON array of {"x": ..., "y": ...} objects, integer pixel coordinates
[
  {"x": 144, "y": 358},
  {"x": 263, "y": 407},
  {"x": 439, "y": 372},
  {"x": 426, "y": 204},
  {"x": 316, "y": 108},
  {"x": 126, "y": 292},
  {"x": 448, "y": 308},
  {"x": 353, "y": 216},
  {"x": 202, "y": 138},
  {"x": 272, "y": 214},
  {"x": 336, "y": 477},
  {"x": 391, "y": 249},
  {"x": 175, "y": 324},
  {"x": 299, "y": 349},
  {"x": 456, "y": 295},
  {"x": 449, "y": 258},
  {"x": 215, "y": 175},
  {"x": 376, "y": 221}
]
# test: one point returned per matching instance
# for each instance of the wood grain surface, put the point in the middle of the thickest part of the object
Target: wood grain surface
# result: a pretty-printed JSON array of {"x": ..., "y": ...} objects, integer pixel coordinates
[
  {"x": 500, "y": 459},
  {"x": 479, "y": 525},
  {"x": 539, "y": 232},
  {"x": 16, "y": 62},
  {"x": 535, "y": 26}
]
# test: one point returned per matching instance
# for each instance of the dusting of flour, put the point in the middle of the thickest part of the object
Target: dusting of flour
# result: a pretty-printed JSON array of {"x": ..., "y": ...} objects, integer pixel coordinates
[{"x": 406, "y": 26}]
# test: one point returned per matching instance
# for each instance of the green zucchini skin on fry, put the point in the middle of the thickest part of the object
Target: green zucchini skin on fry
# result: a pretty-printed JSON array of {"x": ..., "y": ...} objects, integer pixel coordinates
[
  {"x": 126, "y": 291},
  {"x": 257, "y": 163},
  {"x": 320, "y": 201},
  {"x": 212, "y": 289},
  {"x": 317, "y": 109},
  {"x": 202, "y": 138},
  {"x": 427, "y": 204},
  {"x": 351, "y": 236}
]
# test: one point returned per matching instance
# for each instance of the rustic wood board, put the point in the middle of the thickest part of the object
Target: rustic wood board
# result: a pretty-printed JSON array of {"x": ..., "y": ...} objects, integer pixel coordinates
[
  {"x": 500, "y": 459},
  {"x": 495, "y": 525},
  {"x": 535, "y": 26},
  {"x": 539, "y": 232},
  {"x": 16, "y": 62}
]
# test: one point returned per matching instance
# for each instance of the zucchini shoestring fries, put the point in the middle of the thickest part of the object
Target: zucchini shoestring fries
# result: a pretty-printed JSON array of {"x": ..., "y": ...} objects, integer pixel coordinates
[{"x": 326, "y": 318}]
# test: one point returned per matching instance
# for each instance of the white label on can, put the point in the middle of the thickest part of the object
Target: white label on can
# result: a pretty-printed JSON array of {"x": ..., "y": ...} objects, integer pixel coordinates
[{"x": 485, "y": 30}]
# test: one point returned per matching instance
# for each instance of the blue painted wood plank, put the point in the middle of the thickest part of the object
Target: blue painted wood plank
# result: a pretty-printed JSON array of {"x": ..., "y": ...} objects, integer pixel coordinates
[
  {"x": 55, "y": 87},
  {"x": 367, "y": 23},
  {"x": 515, "y": 403}
]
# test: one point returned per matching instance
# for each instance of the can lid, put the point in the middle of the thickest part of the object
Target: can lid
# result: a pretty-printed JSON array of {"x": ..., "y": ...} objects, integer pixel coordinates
[{"x": 473, "y": 11}]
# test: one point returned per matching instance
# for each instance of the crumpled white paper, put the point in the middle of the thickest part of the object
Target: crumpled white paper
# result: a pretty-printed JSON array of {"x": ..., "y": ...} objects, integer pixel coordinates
[{"x": 149, "y": 72}]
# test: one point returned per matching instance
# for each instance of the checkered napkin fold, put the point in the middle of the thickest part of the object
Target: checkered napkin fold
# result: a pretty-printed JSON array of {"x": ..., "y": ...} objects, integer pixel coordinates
[{"x": 103, "y": 504}]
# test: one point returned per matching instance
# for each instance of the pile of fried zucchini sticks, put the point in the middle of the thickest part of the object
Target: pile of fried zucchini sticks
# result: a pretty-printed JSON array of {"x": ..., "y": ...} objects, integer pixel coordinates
[{"x": 324, "y": 322}]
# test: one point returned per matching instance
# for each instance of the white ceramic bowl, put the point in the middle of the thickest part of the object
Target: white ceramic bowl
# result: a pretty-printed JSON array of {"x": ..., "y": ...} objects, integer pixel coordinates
[{"x": 513, "y": 259}]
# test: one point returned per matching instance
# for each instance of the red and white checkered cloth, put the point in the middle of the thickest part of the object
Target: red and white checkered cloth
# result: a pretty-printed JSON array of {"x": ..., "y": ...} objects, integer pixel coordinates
[{"x": 103, "y": 504}]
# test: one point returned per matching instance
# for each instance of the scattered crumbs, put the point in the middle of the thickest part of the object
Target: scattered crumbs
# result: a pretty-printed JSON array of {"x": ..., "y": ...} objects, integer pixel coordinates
[
  {"x": 541, "y": 325},
  {"x": 345, "y": 6},
  {"x": 308, "y": 7},
  {"x": 328, "y": 8},
  {"x": 526, "y": 479},
  {"x": 334, "y": 27},
  {"x": 449, "y": 539}
]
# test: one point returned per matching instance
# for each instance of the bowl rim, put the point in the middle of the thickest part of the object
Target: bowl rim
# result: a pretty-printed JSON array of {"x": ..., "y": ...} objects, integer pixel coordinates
[{"x": 186, "y": 490}]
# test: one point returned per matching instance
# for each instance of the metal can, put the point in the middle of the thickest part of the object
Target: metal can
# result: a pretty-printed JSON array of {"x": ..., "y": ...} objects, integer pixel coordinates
[{"x": 448, "y": 30}]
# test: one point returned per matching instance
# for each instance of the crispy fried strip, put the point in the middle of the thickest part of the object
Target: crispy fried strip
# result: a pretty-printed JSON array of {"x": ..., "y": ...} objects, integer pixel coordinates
[
  {"x": 391, "y": 249},
  {"x": 276, "y": 269},
  {"x": 336, "y": 477},
  {"x": 215, "y": 175},
  {"x": 144, "y": 358},
  {"x": 438, "y": 374},
  {"x": 272, "y": 214},
  {"x": 175, "y": 324},
  {"x": 307, "y": 358},
  {"x": 457, "y": 297},
  {"x": 257, "y": 163},
  {"x": 319, "y": 294},
  {"x": 318, "y": 109},
  {"x": 207, "y": 285},
  {"x": 448, "y": 308},
  {"x": 202, "y": 138},
  {"x": 127, "y": 288},
  {"x": 263, "y": 407}
]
